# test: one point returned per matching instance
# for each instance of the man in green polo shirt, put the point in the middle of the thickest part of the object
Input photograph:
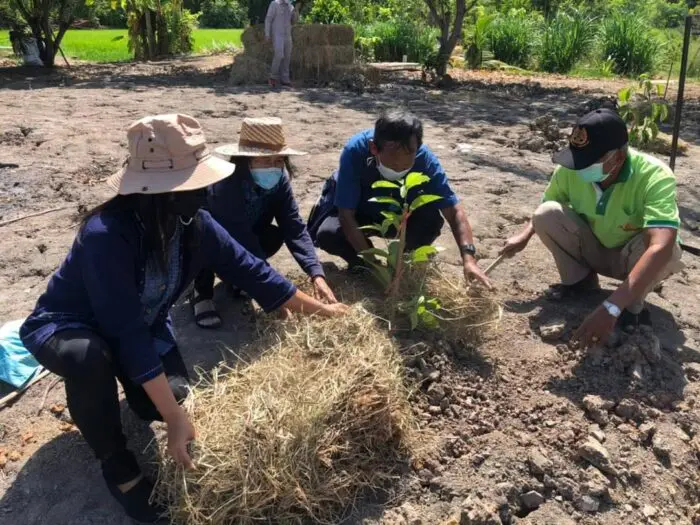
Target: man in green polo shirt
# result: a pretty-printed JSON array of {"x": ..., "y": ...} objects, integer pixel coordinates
[{"x": 608, "y": 210}]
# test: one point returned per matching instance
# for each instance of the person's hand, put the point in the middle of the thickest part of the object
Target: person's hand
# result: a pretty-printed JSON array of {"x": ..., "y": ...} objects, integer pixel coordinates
[
  {"x": 514, "y": 245},
  {"x": 596, "y": 328},
  {"x": 335, "y": 310},
  {"x": 180, "y": 433},
  {"x": 322, "y": 291},
  {"x": 472, "y": 271}
]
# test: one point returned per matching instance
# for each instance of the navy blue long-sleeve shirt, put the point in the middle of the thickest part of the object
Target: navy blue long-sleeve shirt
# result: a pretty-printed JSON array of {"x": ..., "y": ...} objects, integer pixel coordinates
[
  {"x": 99, "y": 285},
  {"x": 228, "y": 204}
]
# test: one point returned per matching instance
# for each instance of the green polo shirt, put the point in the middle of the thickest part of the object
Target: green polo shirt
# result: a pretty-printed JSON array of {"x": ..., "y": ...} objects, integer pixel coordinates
[{"x": 643, "y": 196}]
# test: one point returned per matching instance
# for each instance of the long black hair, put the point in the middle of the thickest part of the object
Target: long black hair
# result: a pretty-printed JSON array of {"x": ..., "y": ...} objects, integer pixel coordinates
[{"x": 153, "y": 212}]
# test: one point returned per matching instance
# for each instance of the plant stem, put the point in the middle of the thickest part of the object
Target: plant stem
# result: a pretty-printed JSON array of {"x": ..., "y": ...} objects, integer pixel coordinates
[{"x": 396, "y": 282}]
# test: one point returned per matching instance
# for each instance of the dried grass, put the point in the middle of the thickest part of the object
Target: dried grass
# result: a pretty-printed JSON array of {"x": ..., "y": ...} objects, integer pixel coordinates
[
  {"x": 318, "y": 52},
  {"x": 319, "y": 420}
]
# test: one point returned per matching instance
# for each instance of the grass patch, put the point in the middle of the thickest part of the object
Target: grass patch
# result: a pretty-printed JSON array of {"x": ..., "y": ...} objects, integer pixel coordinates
[{"x": 111, "y": 45}]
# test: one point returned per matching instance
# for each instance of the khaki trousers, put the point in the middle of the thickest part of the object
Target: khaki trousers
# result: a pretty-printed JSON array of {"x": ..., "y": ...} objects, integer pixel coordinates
[{"x": 577, "y": 251}]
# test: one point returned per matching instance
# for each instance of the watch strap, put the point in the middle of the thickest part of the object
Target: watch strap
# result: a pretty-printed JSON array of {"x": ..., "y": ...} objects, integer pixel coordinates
[{"x": 612, "y": 309}]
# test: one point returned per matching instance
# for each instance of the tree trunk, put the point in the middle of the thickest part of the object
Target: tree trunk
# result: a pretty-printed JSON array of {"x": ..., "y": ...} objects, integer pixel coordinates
[
  {"x": 450, "y": 30},
  {"x": 150, "y": 47}
]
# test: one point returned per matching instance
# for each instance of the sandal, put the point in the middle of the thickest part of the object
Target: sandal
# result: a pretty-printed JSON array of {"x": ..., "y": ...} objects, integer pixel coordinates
[
  {"x": 557, "y": 292},
  {"x": 205, "y": 314},
  {"x": 136, "y": 503}
]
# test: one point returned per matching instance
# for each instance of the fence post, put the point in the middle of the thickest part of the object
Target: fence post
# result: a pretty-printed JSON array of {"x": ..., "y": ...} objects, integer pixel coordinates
[{"x": 681, "y": 89}]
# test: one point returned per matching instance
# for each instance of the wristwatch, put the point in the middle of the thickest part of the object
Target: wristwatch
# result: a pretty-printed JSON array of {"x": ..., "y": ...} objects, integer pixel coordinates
[
  {"x": 468, "y": 249},
  {"x": 612, "y": 309}
]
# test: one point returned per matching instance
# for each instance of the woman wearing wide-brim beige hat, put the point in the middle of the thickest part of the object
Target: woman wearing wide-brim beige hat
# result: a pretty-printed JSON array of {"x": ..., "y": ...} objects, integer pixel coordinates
[
  {"x": 105, "y": 314},
  {"x": 246, "y": 205}
]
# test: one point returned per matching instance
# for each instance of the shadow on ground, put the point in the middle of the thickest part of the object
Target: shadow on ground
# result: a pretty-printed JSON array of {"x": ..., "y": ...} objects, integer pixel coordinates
[{"x": 607, "y": 371}]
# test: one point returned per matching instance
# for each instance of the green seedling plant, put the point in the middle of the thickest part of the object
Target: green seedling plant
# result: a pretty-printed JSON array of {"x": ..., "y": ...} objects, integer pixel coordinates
[
  {"x": 388, "y": 265},
  {"x": 644, "y": 109}
]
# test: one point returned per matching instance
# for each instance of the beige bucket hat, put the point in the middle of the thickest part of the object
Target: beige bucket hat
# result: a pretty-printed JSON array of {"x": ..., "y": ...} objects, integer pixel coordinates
[
  {"x": 168, "y": 153},
  {"x": 260, "y": 137}
]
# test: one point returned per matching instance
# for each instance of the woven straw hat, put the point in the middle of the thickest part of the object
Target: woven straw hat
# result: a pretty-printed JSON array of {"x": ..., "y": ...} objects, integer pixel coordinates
[
  {"x": 168, "y": 153},
  {"x": 260, "y": 137}
]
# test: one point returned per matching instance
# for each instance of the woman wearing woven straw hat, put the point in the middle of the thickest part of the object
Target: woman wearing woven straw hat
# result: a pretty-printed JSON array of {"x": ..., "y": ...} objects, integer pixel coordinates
[
  {"x": 105, "y": 314},
  {"x": 247, "y": 203}
]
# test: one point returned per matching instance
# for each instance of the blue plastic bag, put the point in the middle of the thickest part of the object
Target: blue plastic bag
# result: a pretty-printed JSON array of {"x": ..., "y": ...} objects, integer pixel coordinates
[{"x": 17, "y": 365}]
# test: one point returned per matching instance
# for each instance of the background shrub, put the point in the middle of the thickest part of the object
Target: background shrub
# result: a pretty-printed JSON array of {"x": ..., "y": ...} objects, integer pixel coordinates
[
  {"x": 328, "y": 12},
  {"x": 630, "y": 44},
  {"x": 565, "y": 40},
  {"x": 390, "y": 41},
  {"x": 223, "y": 14},
  {"x": 512, "y": 38}
]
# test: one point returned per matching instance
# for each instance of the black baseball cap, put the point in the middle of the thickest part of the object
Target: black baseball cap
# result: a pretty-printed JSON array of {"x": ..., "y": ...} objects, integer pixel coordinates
[{"x": 594, "y": 134}]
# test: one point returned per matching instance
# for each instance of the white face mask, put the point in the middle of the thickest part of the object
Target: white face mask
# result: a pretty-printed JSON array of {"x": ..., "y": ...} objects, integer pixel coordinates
[{"x": 390, "y": 174}]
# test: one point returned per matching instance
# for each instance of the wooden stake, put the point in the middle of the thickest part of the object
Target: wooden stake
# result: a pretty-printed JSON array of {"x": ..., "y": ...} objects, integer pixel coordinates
[
  {"x": 29, "y": 216},
  {"x": 495, "y": 263},
  {"x": 10, "y": 397}
]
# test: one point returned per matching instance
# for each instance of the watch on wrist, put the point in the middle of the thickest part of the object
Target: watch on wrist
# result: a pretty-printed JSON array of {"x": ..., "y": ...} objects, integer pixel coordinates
[
  {"x": 612, "y": 309},
  {"x": 468, "y": 249}
]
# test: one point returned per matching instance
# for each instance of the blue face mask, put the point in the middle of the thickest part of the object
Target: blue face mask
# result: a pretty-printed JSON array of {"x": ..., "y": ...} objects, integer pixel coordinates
[
  {"x": 267, "y": 178},
  {"x": 593, "y": 173}
]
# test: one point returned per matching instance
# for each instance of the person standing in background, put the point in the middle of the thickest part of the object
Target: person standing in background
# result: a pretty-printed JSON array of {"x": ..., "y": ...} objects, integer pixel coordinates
[{"x": 278, "y": 29}]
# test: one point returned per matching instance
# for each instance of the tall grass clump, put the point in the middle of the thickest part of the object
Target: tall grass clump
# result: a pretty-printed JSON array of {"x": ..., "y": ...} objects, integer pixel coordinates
[
  {"x": 512, "y": 39},
  {"x": 630, "y": 44},
  {"x": 565, "y": 40},
  {"x": 389, "y": 41}
]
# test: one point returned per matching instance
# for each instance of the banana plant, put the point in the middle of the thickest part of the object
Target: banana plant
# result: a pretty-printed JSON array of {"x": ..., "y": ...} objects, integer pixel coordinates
[{"x": 387, "y": 265}]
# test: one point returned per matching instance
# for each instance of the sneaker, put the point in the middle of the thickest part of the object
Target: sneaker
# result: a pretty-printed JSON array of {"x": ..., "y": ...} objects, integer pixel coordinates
[
  {"x": 272, "y": 82},
  {"x": 558, "y": 292},
  {"x": 135, "y": 503}
]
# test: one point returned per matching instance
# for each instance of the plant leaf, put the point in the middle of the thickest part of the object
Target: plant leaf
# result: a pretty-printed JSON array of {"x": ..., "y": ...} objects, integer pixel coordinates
[
  {"x": 386, "y": 200},
  {"x": 375, "y": 251},
  {"x": 422, "y": 200},
  {"x": 385, "y": 184},
  {"x": 380, "y": 273},
  {"x": 403, "y": 191},
  {"x": 624, "y": 94},
  {"x": 393, "y": 257},
  {"x": 375, "y": 227},
  {"x": 413, "y": 316},
  {"x": 415, "y": 179},
  {"x": 423, "y": 254}
]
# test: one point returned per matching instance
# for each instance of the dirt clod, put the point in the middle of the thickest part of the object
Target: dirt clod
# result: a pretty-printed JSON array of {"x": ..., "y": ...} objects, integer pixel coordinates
[{"x": 597, "y": 455}]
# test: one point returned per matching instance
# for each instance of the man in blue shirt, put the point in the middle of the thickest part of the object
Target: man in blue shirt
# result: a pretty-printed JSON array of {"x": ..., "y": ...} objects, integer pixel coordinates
[{"x": 390, "y": 151}]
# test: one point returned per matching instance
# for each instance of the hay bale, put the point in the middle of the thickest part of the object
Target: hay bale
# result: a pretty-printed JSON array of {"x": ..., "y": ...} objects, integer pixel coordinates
[
  {"x": 318, "y": 51},
  {"x": 248, "y": 70},
  {"x": 298, "y": 435}
]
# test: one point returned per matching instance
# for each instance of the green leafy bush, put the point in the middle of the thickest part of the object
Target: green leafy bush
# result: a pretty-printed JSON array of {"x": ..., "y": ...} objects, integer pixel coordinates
[
  {"x": 476, "y": 40},
  {"x": 670, "y": 15},
  {"x": 630, "y": 43},
  {"x": 219, "y": 14},
  {"x": 644, "y": 109},
  {"x": 329, "y": 12},
  {"x": 390, "y": 41},
  {"x": 565, "y": 40},
  {"x": 180, "y": 24},
  {"x": 512, "y": 38}
]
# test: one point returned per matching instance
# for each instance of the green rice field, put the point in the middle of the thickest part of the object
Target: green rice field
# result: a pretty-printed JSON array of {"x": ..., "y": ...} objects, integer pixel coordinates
[{"x": 110, "y": 45}]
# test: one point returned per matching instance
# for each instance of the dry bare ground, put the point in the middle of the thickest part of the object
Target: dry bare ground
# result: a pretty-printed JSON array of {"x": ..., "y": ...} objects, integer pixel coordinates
[{"x": 523, "y": 428}]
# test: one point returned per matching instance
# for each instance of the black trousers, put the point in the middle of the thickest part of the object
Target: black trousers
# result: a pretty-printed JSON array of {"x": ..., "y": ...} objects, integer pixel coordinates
[
  {"x": 271, "y": 240},
  {"x": 90, "y": 372},
  {"x": 424, "y": 226}
]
